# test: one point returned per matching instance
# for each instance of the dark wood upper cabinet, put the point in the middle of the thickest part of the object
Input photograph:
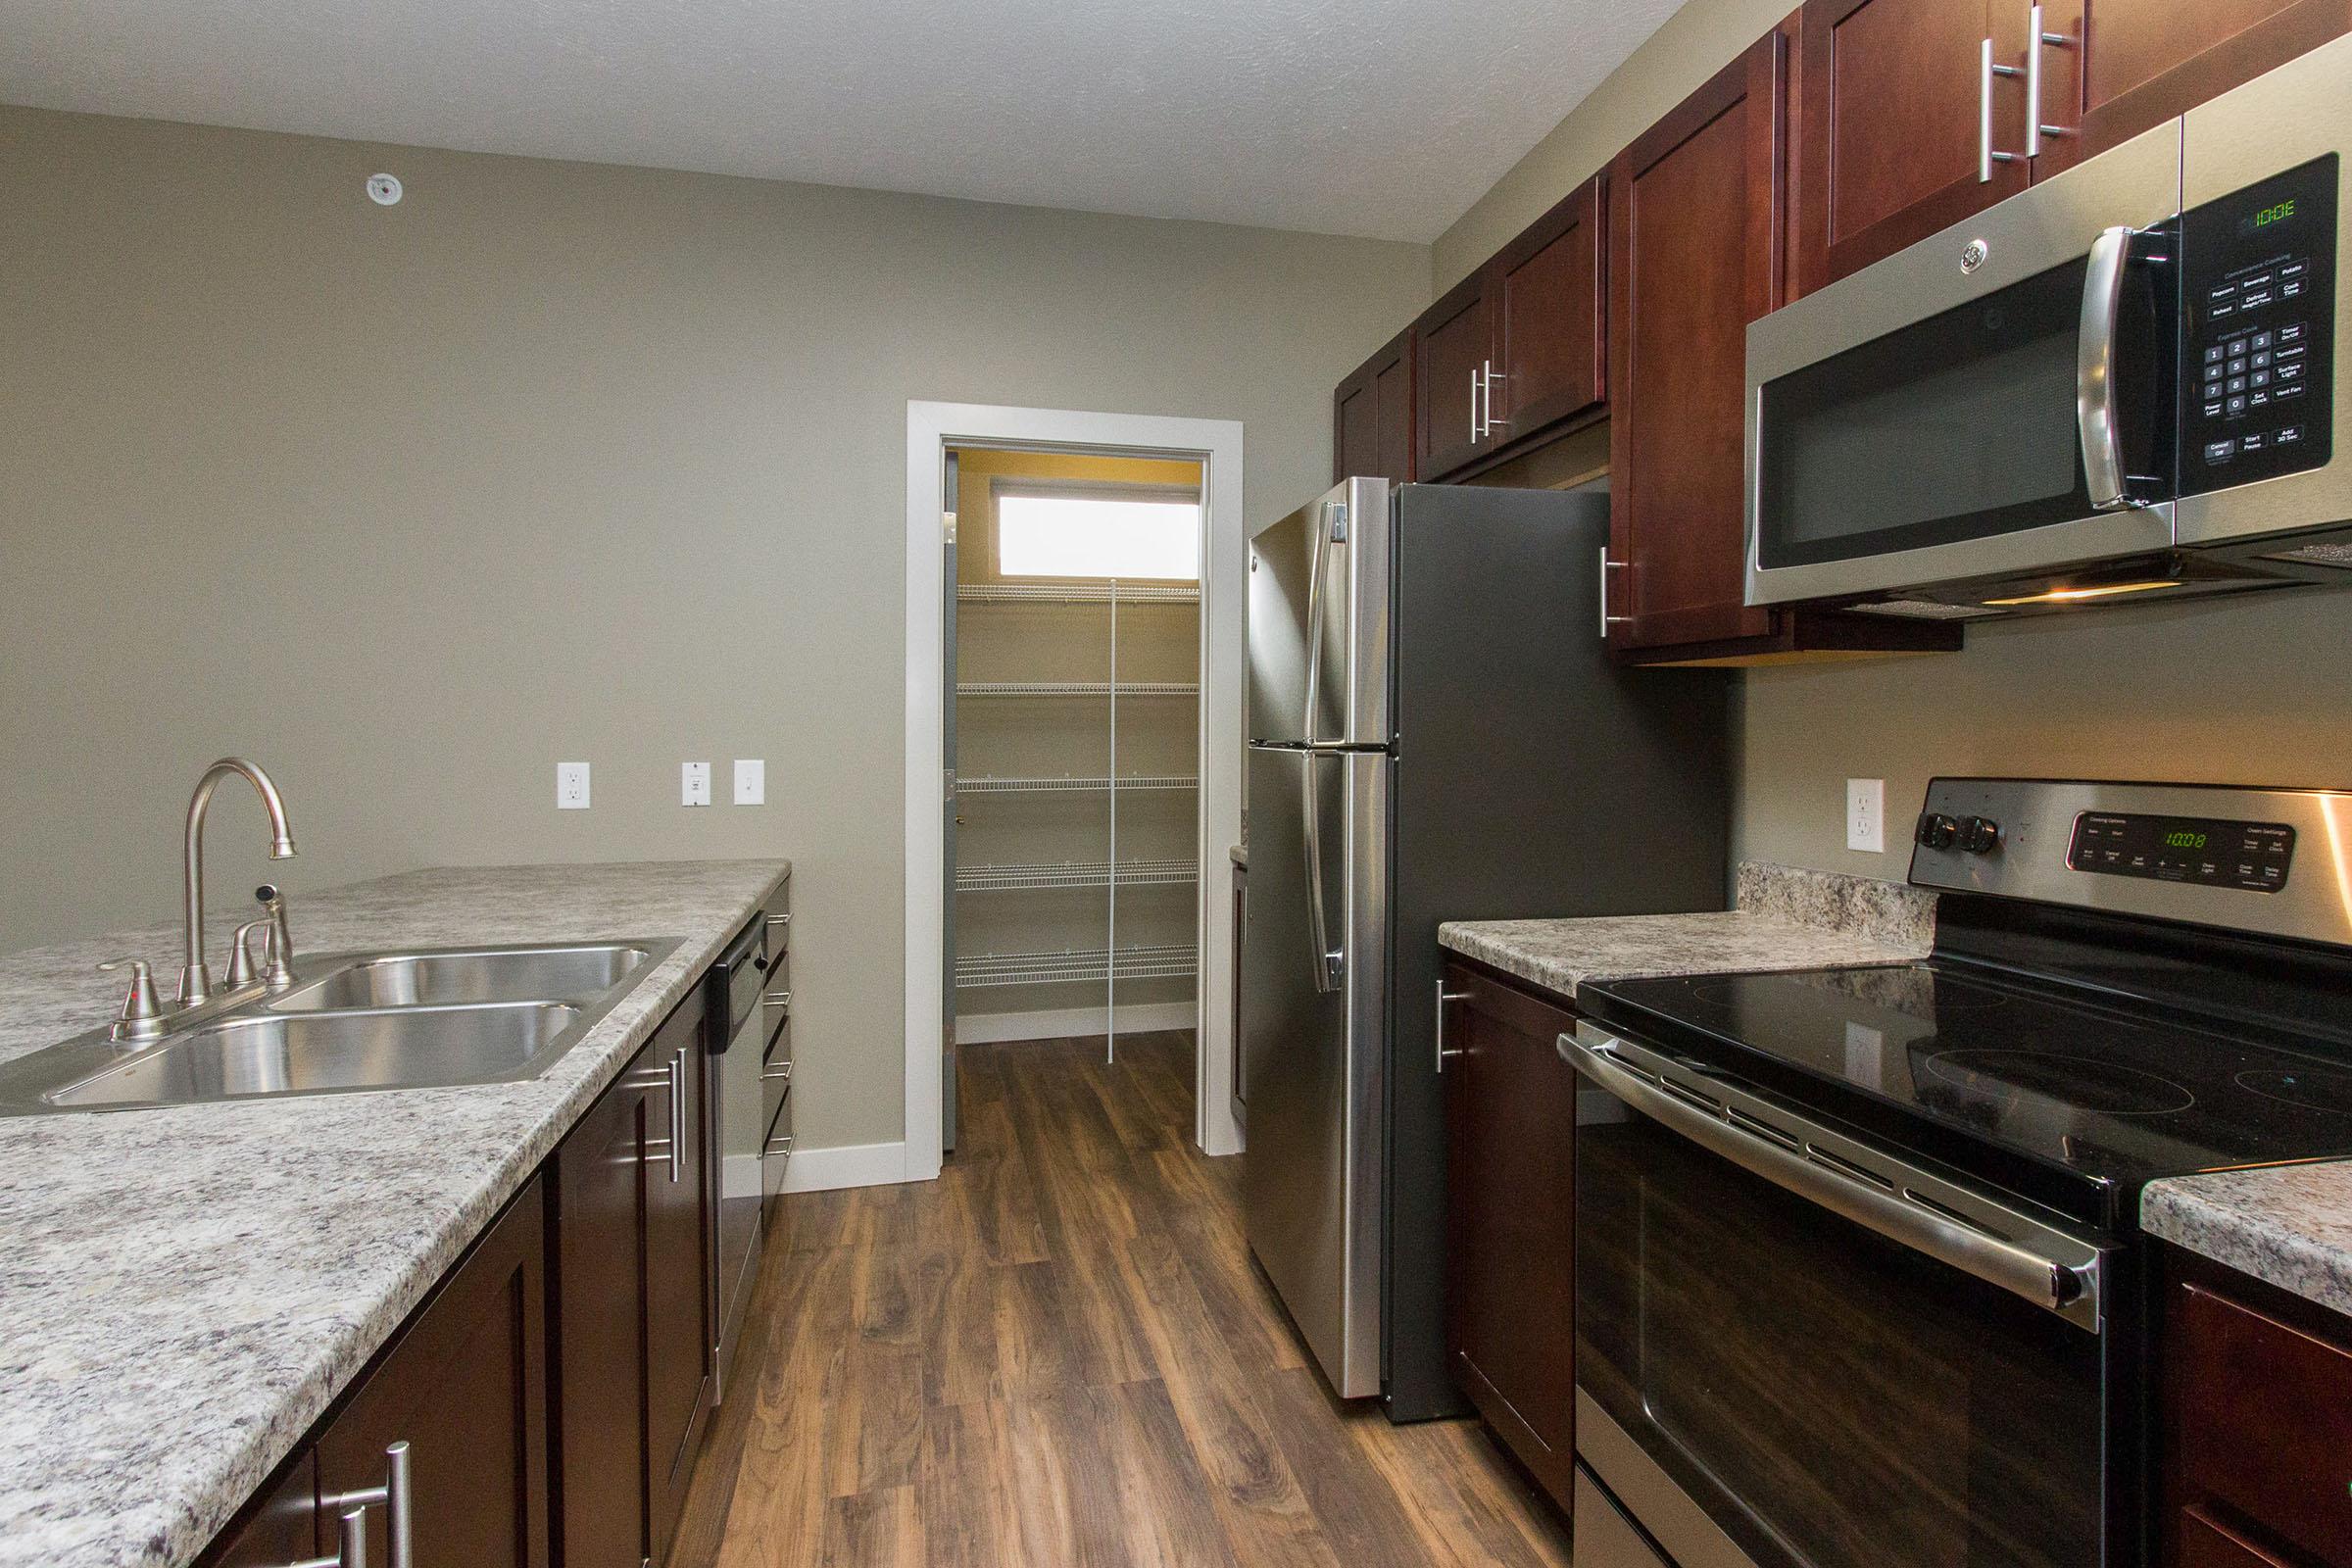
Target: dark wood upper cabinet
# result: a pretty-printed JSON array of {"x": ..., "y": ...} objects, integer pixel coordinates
[
  {"x": 1550, "y": 314},
  {"x": 1510, "y": 1111},
  {"x": 1695, "y": 253},
  {"x": 2144, "y": 61},
  {"x": 1888, "y": 150},
  {"x": 464, "y": 1386},
  {"x": 1372, "y": 434},
  {"x": 1455, "y": 353}
]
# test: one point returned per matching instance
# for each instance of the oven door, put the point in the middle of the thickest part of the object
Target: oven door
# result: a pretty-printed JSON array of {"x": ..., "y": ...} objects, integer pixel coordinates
[
  {"x": 1994, "y": 403},
  {"x": 1794, "y": 1351}
]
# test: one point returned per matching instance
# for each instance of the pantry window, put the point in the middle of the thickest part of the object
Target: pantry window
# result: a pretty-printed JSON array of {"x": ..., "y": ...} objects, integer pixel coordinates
[{"x": 1144, "y": 533}]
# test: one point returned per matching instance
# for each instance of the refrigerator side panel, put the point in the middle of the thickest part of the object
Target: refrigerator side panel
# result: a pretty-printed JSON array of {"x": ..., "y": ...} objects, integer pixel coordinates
[{"x": 1535, "y": 777}]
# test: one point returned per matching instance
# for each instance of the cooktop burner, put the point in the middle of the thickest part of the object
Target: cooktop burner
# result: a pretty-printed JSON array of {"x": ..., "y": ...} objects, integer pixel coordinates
[
  {"x": 2075, "y": 1083},
  {"x": 1979, "y": 1069}
]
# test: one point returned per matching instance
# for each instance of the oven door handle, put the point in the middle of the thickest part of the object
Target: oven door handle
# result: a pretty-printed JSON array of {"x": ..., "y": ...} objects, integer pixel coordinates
[
  {"x": 2096, "y": 418},
  {"x": 1912, "y": 1208}
]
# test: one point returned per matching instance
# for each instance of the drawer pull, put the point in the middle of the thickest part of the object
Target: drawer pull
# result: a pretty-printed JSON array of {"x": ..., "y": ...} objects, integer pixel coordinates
[
  {"x": 393, "y": 1496},
  {"x": 778, "y": 999},
  {"x": 781, "y": 1145},
  {"x": 778, "y": 1074}
]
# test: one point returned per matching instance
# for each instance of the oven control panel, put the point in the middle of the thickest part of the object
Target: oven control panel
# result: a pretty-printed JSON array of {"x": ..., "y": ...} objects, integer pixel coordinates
[
  {"x": 2258, "y": 313},
  {"x": 2212, "y": 851}
]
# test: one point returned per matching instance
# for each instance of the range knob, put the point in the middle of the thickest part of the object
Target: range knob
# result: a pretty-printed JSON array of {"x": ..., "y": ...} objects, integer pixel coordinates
[
  {"x": 1936, "y": 830},
  {"x": 1980, "y": 834}
]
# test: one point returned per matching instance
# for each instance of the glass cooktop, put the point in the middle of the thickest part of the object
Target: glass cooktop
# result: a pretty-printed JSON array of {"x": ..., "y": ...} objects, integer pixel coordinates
[{"x": 2045, "y": 1091}]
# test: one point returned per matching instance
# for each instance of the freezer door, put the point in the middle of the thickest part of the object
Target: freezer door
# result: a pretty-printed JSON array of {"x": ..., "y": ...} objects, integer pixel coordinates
[
  {"x": 1312, "y": 1179},
  {"x": 1319, "y": 621}
]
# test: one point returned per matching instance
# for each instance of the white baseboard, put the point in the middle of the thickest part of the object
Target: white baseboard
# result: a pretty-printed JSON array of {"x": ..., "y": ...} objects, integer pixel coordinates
[
  {"x": 989, "y": 1028},
  {"x": 822, "y": 1170}
]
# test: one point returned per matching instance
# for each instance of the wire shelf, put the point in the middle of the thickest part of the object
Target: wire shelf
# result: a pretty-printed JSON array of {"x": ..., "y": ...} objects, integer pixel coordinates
[
  {"x": 1032, "y": 786},
  {"x": 1017, "y": 877},
  {"x": 1077, "y": 966},
  {"x": 1077, "y": 688},
  {"x": 988, "y": 593}
]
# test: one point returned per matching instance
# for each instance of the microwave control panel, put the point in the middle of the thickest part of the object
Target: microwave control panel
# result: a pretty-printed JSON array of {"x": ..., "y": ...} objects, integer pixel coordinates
[{"x": 2258, "y": 314}]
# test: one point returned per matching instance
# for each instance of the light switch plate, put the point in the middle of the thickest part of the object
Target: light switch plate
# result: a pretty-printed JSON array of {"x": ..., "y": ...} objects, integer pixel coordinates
[
  {"x": 1866, "y": 814},
  {"x": 571, "y": 786},
  {"x": 751, "y": 781},
  {"x": 694, "y": 784}
]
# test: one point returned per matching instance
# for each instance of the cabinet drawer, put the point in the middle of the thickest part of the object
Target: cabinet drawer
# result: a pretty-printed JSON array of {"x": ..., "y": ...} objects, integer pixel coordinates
[
  {"x": 2264, "y": 1415},
  {"x": 2205, "y": 1545}
]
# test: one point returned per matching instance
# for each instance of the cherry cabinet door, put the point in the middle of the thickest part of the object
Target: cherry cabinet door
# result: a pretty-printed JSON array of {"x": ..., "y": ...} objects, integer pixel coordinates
[
  {"x": 1694, "y": 255},
  {"x": 1889, "y": 148},
  {"x": 278, "y": 1529},
  {"x": 1372, "y": 416},
  {"x": 1510, "y": 1113},
  {"x": 464, "y": 1387},
  {"x": 599, "y": 1233},
  {"x": 2144, "y": 61},
  {"x": 1456, "y": 338},
  {"x": 677, "y": 1333},
  {"x": 1550, "y": 315}
]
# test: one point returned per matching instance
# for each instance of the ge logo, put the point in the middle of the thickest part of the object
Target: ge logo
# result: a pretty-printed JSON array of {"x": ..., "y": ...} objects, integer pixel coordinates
[{"x": 1973, "y": 254}]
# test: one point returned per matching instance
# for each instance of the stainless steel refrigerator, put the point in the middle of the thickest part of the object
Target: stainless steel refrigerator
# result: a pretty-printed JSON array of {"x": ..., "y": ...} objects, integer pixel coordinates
[{"x": 1435, "y": 732}]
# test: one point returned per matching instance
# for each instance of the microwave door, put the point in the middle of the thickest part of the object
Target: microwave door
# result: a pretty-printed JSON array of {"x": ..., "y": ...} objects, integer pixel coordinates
[{"x": 1994, "y": 402}]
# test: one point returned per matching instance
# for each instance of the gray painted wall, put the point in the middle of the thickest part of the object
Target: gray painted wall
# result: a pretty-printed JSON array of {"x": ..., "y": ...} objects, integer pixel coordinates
[{"x": 550, "y": 462}]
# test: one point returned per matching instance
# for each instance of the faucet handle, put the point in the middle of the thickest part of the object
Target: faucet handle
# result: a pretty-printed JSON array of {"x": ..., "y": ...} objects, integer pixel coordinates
[
  {"x": 142, "y": 1014},
  {"x": 244, "y": 968}
]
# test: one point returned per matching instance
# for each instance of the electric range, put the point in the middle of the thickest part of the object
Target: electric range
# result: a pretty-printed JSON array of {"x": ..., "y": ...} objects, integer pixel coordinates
[{"x": 1858, "y": 1272}]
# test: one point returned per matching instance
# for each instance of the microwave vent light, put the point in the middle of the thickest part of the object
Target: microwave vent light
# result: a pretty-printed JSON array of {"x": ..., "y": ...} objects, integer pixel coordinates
[
  {"x": 1928, "y": 609},
  {"x": 2338, "y": 556},
  {"x": 2072, "y": 596}
]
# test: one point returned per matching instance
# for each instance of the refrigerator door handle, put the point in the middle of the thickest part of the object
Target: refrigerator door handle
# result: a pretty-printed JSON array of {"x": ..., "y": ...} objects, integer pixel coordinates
[
  {"x": 1332, "y": 524},
  {"x": 1330, "y": 961}
]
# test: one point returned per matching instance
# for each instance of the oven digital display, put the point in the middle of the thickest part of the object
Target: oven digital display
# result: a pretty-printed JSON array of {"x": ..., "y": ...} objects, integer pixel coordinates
[{"x": 2254, "y": 856}]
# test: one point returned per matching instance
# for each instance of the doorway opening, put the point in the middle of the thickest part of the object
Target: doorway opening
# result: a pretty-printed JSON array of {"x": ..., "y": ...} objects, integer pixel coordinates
[{"x": 1079, "y": 627}]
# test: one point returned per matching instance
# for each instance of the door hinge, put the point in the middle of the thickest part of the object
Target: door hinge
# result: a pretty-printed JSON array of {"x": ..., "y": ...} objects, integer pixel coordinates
[{"x": 947, "y": 528}]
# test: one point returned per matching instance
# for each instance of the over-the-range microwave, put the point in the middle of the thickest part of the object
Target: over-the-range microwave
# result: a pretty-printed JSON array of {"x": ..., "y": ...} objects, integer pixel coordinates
[{"x": 2119, "y": 385}]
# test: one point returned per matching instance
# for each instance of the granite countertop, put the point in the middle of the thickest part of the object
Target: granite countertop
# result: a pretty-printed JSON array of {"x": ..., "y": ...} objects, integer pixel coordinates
[
  {"x": 2290, "y": 1225},
  {"x": 1785, "y": 919},
  {"x": 184, "y": 1291}
]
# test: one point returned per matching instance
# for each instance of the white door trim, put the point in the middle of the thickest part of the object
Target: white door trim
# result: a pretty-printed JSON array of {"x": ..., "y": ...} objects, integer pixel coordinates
[{"x": 932, "y": 427}]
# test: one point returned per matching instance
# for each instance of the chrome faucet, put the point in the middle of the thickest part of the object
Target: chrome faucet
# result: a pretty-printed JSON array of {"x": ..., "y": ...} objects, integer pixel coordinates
[{"x": 195, "y": 979}]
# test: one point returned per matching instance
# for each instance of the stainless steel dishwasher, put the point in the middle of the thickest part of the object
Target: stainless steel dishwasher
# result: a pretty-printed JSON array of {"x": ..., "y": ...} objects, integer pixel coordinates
[{"x": 733, "y": 1039}]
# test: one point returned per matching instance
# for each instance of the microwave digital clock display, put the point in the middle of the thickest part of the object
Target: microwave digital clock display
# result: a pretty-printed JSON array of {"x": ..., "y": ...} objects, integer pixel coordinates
[{"x": 2253, "y": 856}]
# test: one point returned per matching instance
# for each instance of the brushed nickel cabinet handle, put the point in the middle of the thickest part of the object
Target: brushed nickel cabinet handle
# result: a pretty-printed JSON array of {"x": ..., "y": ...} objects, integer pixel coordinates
[
  {"x": 400, "y": 1527},
  {"x": 1443, "y": 997},
  {"x": 1985, "y": 71}
]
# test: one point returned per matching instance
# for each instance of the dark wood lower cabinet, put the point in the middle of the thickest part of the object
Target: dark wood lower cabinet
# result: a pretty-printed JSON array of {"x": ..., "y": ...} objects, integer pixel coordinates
[
  {"x": 1510, "y": 1108},
  {"x": 2255, "y": 1423},
  {"x": 632, "y": 1344},
  {"x": 279, "y": 1527}
]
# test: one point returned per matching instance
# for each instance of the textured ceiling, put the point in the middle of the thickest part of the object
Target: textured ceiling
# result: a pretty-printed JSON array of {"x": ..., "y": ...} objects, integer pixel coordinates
[{"x": 1383, "y": 117}]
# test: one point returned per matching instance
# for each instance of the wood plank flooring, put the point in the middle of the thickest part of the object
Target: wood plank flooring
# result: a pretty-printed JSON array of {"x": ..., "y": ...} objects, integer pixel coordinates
[{"x": 1058, "y": 1354}]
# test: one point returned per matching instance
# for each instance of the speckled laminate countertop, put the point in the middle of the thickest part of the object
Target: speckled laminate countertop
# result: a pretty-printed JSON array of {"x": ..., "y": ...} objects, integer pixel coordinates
[
  {"x": 1786, "y": 918},
  {"x": 184, "y": 1291},
  {"x": 2290, "y": 1225}
]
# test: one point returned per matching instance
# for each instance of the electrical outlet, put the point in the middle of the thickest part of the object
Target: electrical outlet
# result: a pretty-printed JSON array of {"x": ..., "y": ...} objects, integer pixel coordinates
[
  {"x": 1866, "y": 814},
  {"x": 751, "y": 781},
  {"x": 571, "y": 786},
  {"x": 694, "y": 784}
]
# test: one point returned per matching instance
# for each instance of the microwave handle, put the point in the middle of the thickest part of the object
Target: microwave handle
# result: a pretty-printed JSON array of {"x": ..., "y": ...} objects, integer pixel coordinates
[{"x": 2096, "y": 418}]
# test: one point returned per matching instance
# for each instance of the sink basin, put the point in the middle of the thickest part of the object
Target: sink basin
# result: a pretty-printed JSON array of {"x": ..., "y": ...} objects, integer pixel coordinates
[
  {"x": 309, "y": 1054},
  {"x": 486, "y": 974},
  {"x": 423, "y": 1019}
]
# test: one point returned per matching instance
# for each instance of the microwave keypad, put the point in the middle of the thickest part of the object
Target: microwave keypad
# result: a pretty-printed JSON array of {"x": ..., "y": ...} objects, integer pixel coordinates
[{"x": 2258, "y": 391}]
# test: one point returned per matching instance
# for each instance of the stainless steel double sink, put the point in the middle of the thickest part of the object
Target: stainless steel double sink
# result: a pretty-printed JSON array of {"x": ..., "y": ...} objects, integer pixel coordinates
[{"x": 426, "y": 1017}]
